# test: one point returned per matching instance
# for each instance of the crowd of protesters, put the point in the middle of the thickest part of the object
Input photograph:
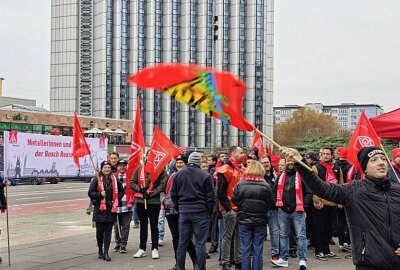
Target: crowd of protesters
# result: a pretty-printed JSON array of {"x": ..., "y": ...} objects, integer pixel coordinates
[{"x": 231, "y": 199}]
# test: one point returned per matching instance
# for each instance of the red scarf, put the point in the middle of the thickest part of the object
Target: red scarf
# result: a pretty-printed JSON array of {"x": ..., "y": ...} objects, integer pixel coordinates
[
  {"x": 237, "y": 166},
  {"x": 255, "y": 178},
  {"x": 299, "y": 191},
  {"x": 130, "y": 200},
  {"x": 169, "y": 184},
  {"x": 330, "y": 176},
  {"x": 100, "y": 188}
]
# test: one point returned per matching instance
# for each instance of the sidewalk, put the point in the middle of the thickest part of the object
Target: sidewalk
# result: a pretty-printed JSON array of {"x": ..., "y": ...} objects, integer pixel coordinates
[{"x": 66, "y": 241}]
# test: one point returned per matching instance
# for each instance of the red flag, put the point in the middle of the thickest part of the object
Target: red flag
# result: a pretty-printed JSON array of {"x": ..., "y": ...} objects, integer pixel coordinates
[
  {"x": 79, "y": 146},
  {"x": 257, "y": 142},
  {"x": 270, "y": 149},
  {"x": 136, "y": 152},
  {"x": 364, "y": 135},
  {"x": 137, "y": 143},
  {"x": 161, "y": 152}
]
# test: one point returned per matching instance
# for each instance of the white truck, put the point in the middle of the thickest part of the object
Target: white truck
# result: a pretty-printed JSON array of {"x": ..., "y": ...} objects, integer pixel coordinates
[{"x": 36, "y": 158}]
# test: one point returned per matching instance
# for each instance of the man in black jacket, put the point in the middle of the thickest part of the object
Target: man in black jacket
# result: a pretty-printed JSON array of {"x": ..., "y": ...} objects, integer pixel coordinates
[
  {"x": 372, "y": 209},
  {"x": 193, "y": 196}
]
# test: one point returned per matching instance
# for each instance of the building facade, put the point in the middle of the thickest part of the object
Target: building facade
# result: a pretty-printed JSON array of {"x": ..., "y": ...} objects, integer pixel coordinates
[
  {"x": 96, "y": 44},
  {"x": 346, "y": 114}
]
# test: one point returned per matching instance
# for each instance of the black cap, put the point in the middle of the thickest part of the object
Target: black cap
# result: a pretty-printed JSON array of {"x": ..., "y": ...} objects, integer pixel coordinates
[
  {"x": 183, "y": 158},
  {"x": 104, "y": 163},
  {"x": 366, "y": 153},
  {"x": 311, "y": 155},
  {"x": 122, "y": 162}
]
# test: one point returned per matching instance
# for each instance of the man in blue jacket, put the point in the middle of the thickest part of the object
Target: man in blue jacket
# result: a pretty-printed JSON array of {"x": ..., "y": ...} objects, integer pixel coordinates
[{"x": 193, "y": 196}]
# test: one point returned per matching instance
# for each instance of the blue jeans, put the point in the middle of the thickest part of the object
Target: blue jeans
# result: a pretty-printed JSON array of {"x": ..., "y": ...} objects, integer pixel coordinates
[
  {"x": 161, "y": 224},
  {"x": 189, "y": 224},
  {"x": 252, "y": 242},
  {"x": 299, "y": 222},
  {"x": 135, "y": 216},
  {"x": 273, "y": 224},
  {"x": 220, "y": 234}
]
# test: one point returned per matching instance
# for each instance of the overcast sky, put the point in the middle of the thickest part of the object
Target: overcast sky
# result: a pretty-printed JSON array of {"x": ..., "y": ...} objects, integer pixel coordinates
[{"x": 325, "y": 51}]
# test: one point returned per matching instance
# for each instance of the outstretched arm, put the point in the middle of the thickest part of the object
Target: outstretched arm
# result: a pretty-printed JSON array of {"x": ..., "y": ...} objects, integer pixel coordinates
[{"x": 340, "y": 194}]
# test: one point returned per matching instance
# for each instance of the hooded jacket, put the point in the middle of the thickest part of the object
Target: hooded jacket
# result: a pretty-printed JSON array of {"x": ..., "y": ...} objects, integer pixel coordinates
[{"x": 373, "y": 214}]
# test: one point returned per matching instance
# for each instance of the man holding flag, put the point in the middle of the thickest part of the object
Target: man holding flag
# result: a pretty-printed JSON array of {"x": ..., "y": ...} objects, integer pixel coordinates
[
  {"x": 148, "y": 181},
  {"x": 372, "y": 208}
]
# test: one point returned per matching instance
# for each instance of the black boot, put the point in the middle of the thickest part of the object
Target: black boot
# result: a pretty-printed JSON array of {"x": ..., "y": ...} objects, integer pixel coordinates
[
  {"x": 100, "y": 254},
  {"x": 106, "y": 257}
]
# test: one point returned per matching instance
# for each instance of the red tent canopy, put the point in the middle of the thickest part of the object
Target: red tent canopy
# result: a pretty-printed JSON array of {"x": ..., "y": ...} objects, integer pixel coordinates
[{"x": 387, "y": 125}]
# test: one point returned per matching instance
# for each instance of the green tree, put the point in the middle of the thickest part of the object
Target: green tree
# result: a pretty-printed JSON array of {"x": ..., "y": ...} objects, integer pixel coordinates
[{"x": 305, "y": 124}]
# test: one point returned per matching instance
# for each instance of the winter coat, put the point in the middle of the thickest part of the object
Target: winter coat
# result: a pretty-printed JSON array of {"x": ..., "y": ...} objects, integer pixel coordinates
[
  {"x": 159, "y": 186},
  {"x": 95, "y": 196},
  {"x": 373, "y": 214},
  {"x": 192, "y": 190},
  {"x": 253, "y": 199}
]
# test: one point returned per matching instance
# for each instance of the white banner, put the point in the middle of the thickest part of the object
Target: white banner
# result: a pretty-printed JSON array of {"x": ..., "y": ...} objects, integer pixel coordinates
[{"x": 37, "y": 155}]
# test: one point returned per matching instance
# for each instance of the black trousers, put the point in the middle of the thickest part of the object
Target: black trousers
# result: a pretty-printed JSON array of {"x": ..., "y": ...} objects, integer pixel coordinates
[
  {"x": 214, "y": 229},
  {"x": 309, "y": 224},
  {"x": 103, "y": 235},
  {"x": 323, "y": 221},
  {"x": 124, "y": 220},
  {"x": 173, "y": 224},
  {"x": 343, "y": 229},
  {"x": 146, "y": 215}
]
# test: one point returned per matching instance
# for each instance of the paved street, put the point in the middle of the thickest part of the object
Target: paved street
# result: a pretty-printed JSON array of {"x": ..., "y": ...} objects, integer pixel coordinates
[{"x": 62, "y": 237}]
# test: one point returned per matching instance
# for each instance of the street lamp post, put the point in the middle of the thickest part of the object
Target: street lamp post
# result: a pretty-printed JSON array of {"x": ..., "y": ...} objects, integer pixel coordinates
[{"x": 1, "y": 86}]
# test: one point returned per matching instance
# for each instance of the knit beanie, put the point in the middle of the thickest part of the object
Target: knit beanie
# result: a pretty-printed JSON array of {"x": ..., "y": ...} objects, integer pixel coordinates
[
  {"x": 104, "y": 163},
  {"x": 183, "y": 158},
  {"x": 195, "y": 158},
  {"x": 395, "y": 153},
  {"x": 366, "y": 153}
]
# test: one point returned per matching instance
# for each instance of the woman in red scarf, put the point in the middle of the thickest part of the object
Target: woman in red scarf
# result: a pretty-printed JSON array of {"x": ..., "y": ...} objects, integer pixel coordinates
[{"x": 105, "y": 192}]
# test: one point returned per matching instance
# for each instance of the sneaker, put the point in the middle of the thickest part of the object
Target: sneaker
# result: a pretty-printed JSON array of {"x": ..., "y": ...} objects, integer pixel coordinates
[
  {"x": 154, "y": 254},
  {"x": 281, "y": 263},
  {"x": 160, "y": 243},
  {"x": 321, "y": 256},
  {"x": 116, "y": 249},
  {"x": 302, "y": 265},
  {"x": 88, "y": 210},
  {"x": 332, "y": 255},
  {"x": 140, "y": 253},
  {"x": 238, "y": 266},
  {"x": 136, "y": 225},
  {"x": 122, "y": 250},
  {"x": 274, "y": 258}
]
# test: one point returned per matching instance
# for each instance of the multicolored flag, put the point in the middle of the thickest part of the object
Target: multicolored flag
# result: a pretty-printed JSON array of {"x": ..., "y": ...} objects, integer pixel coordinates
[
  {"x": 364, "y": 135},
  {"x": 257, "y": 142},
  {"x": 215, "y": 93},
  {"x": 162, "y": 150},
  {"x": 80, "y": 147}
]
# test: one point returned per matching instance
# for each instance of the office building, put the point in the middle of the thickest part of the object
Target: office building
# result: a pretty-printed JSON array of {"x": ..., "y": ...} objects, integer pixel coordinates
[
  {"x": 95, "y": 45},
  {"x": 346, "y": 114}
]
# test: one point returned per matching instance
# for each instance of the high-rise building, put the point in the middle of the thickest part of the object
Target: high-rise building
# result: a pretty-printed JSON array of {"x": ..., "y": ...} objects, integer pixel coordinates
[
  {"x": 95, "y": 45},
  {"x": 346, "y": 114}
]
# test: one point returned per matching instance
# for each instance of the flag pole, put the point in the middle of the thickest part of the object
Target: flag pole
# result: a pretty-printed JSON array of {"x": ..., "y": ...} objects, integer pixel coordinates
[
  {"x": 390, "y": 163},
  {"x": 279, "y": 146},
  {"x": 8, "y": 227}
]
